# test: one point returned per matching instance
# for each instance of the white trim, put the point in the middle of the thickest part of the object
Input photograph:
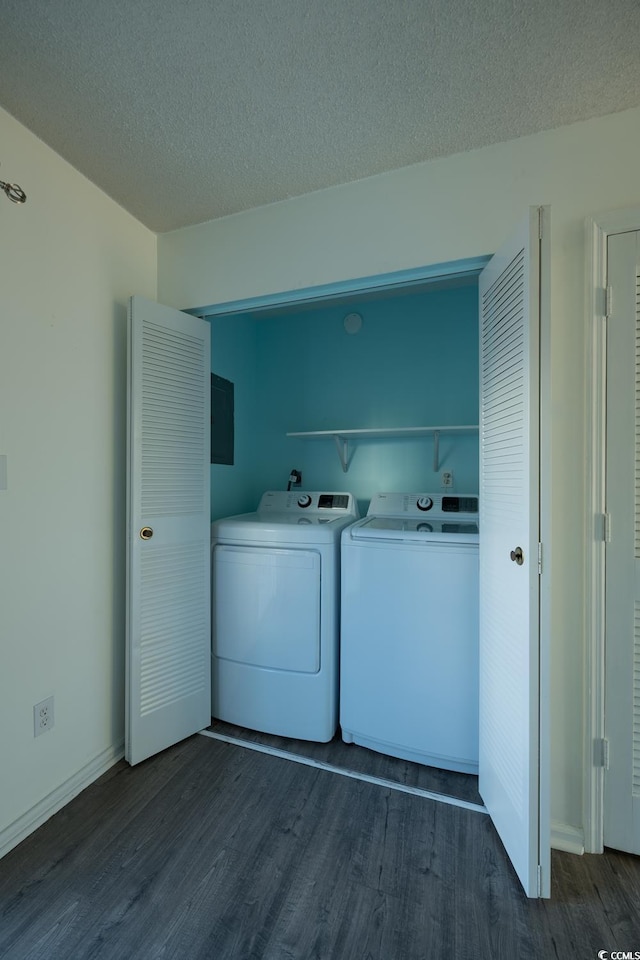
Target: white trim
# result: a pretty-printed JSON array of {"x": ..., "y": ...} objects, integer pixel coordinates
[
  {"x": 598, "y": 229},
  {"x": 596, "y": 249},
  {"x": 566, "y": 838},
  {"x": 12, "y": 835},
  {"x": 346, "y": 290},
  {"x": 353, "y": 774},
  {"x": 545, "y": 488}
]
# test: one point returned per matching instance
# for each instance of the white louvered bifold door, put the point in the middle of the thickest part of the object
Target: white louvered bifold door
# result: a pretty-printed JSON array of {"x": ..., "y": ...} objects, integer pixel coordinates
[
  {"x": 622, "y": 619},
  {"x": 168, "y": 692},
  {"x": 509, "y": 763}
]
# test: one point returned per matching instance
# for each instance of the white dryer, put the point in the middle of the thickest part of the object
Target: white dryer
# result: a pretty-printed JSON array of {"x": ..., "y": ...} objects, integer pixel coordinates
[
  {"x": 275, "y": 614},
  {"x": 409, "y": 629}
]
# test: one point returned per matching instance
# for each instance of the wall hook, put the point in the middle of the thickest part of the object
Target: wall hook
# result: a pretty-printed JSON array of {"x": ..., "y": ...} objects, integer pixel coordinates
[{"x": 15, "y": 193}]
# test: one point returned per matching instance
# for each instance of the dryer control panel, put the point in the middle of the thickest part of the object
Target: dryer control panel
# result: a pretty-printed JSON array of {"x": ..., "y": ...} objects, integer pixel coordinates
[{"x": 319, "y": 503}]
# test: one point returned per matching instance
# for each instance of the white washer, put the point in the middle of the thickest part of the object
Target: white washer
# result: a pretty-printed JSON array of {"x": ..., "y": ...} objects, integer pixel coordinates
[
  {"x": 409, "y": 629},
  {"x": 276, "y": 611}
]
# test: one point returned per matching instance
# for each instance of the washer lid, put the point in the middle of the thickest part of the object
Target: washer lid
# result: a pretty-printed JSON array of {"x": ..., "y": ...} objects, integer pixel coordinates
[{"x": 416, "y": 529}]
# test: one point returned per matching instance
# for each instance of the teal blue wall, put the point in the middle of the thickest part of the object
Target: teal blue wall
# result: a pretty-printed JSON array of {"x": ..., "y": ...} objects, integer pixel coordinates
[
  {"x": 235, "y": 489},
  {"x": 413, "y": 363}
]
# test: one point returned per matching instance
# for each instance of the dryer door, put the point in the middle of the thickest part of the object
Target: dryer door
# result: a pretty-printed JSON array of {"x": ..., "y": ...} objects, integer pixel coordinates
[{"x": 266, "y": 607}]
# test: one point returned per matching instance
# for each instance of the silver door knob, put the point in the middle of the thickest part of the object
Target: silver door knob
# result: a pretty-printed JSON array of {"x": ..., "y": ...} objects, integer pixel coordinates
[
  {"x": 146, "y": 533},
  {"x": 517, "y": 556}
]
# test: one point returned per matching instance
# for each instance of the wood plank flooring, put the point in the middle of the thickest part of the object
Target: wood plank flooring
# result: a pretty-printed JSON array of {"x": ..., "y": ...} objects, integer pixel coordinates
[
  {"x": 215, "y": 852},
  {"x": 350, "y": 756}
]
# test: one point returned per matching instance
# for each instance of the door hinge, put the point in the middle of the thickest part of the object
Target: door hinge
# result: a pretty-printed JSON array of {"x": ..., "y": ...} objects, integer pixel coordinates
[
  {"x": 601, "y": 753},
  {"x": 540, "y": 222},
  {"x": 602, "y": 527},
  {"x": 539, "y": 558},
  {"x": 608, "y": 301},
  {"x": 539, "y": 880}
]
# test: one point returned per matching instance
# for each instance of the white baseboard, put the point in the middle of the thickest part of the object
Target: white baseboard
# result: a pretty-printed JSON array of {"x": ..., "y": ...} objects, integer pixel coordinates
[
  {"x": 12, "y": 835},
  {"x": 567, "y": 838}
]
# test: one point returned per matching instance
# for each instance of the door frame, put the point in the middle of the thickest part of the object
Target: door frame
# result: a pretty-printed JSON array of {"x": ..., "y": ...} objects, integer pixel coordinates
[
  {"x": 413, "y": 279},
  {"x": 598, "y": 229},
  {"x": 418, "y": 278}
]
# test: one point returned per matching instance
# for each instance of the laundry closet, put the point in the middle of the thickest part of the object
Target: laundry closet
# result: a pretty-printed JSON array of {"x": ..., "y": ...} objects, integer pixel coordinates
[
  {"x": 378, "y": 371},
  {"x": 396, "y": 374},
  {"x": 411, "y": 362}
]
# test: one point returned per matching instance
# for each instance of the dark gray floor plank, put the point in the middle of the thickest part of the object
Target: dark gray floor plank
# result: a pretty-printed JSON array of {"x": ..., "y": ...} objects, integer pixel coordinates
[
  {"x": 351, "y": 756},
  {"x": 215, "y": 852}
]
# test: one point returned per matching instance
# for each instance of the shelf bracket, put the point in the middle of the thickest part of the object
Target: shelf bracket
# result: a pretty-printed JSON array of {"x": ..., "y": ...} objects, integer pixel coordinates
[
  {"x": 436, "y": 450},
  {"x": 342, "y": 446}
]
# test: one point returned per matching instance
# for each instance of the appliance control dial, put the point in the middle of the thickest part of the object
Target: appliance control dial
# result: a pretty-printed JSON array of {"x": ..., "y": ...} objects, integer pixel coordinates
[
  {"x": 424, "y": 503},
  {"x": 304, "y": 500}
]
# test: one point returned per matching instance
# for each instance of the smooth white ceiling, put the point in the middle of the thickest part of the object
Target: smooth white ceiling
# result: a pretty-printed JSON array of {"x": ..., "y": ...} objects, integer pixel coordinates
[{"x": 187, "y": 110}]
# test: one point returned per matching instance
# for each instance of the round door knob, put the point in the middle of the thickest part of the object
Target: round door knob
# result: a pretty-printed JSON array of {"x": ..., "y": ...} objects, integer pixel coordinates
[
  {"x": 146, "y": 533},
  {"x": 517, "y": 556}
]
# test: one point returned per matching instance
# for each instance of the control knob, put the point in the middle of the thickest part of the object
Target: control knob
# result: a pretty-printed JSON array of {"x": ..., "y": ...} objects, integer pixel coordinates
[
  {"x": 424, "y": 503},
  {"x": 304, "y": 500}
]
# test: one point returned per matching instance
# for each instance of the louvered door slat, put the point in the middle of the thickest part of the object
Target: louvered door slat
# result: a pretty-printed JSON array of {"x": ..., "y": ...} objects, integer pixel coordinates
[
  {"x": 635, "y": 760},
  {"x": 168, "y": 582},
  {"x": 509, "y": 765}
]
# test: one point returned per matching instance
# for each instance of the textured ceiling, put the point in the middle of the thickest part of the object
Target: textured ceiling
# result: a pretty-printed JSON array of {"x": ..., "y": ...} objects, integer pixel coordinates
[{"x": 189, "y": 110}]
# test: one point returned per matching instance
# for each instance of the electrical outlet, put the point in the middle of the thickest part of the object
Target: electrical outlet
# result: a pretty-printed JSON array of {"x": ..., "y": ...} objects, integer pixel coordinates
[
  {"x": 446, "y": 478},
  {"x": 43, "y": 716}
]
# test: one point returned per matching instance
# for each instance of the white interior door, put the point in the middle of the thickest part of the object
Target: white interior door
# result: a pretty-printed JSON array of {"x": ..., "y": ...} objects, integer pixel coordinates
[
  {"x": 622, "y": 591},
  {"x": 168, "y": 695},
  {"x": 513, "y": 757}
]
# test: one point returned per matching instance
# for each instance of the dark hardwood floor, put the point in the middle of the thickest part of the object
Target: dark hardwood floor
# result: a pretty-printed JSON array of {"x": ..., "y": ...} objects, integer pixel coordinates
[
  {"x": 351, "y": 757},
  {"x": 215, "y": 851}
]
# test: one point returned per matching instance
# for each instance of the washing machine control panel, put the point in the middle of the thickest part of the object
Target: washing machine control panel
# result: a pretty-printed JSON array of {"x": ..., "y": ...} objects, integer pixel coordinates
[
  {"x": 460, "y": 505},
  {"x": 465, "y": 507}
]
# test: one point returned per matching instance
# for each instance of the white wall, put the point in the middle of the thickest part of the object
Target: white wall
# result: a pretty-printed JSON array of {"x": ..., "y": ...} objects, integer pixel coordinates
[
  {"x": 69, "y": 259},
  {"x": 461, "y": 206}
]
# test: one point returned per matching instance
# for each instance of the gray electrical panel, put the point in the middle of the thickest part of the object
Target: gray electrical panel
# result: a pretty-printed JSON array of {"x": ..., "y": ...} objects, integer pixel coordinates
[{"x": 221, "y": 420}]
